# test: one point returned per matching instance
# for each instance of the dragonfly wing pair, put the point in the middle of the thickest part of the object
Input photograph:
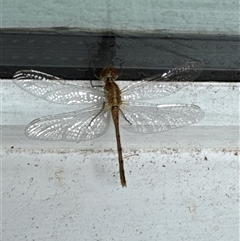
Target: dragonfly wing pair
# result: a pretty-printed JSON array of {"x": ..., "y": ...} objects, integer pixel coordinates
[
  {"x": 92, "y": 122},
  {"x": 75, "y": 126},
  {"x": 149, "y": 118}
]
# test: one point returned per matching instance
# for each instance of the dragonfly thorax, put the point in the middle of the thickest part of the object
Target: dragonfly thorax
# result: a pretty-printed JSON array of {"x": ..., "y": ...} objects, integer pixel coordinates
[{"x": 112, "y": 93}]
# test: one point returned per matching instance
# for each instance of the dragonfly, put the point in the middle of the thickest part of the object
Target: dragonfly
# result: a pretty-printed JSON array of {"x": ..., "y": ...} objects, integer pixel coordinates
[{"x": 124, "y": 105}]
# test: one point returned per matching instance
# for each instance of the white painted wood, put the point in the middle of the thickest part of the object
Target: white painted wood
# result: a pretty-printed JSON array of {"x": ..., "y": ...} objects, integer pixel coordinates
[{"x": 218, "y": 129}]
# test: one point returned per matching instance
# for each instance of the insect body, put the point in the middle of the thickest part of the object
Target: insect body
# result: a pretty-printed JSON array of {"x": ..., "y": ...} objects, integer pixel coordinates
[{"x": 137, "y": 117}]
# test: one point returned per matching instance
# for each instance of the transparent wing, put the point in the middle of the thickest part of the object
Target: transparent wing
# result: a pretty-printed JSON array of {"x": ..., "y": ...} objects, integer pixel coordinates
[
  {"x": 54, "y": 89},
  {"x": 154, "y": 86},
  {"x": 150, "y": 118},
  {"x": 75, "y": 126}
]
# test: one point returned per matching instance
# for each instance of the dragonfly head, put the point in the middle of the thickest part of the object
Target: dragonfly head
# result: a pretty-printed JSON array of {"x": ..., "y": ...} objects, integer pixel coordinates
[{"x": 108, "y": 73}]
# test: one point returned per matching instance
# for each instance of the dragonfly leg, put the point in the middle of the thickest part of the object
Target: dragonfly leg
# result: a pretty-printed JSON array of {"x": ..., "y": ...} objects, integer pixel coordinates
[
  {"x": 95, "y": 86},
  {"x": 125, "y": 117},
  {"x": 121, "y": 64},
  {"x": 103, "y": 106},
  {"x": 97, "y": 77}
]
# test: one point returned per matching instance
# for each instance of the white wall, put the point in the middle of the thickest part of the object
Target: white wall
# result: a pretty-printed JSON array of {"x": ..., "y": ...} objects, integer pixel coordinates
[{"x": 206, "y": 16}]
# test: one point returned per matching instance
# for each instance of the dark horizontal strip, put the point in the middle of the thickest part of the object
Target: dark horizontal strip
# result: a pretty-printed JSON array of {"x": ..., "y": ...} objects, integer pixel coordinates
[{"x": 74, "y": 55}]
